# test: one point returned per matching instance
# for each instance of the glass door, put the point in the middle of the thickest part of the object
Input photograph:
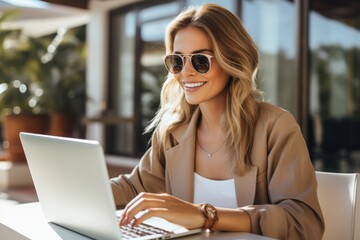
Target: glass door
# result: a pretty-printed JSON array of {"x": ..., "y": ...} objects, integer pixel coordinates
[{"x": 334, "y": 85}]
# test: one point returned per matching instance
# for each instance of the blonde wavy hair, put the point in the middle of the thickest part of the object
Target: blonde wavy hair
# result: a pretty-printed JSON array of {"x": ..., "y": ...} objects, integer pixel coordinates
[{"x": 237, "y": 54}]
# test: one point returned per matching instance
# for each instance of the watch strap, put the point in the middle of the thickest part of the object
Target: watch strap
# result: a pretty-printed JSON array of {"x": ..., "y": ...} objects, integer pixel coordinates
[{"x": 210, "y": 219}]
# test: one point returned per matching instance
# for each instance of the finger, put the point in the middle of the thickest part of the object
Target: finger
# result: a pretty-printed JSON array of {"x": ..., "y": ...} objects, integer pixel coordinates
[
  {"x": 141, "y": 196},
  {"x": 131, "y": 203},
  {"x": 142, "y": 204},
  {"x": 135, "y": 199},
  {"x": 160, "y": 205},
  {"x": 124, "y": 219},
  {"x": 152, "y": 212}
]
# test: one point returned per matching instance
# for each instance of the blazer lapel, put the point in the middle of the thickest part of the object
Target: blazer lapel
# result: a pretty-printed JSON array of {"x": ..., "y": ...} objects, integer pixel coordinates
[
  {"x": 245, "y": 187},
  {"x": 180, "y": 161},
  {"x": 180, "y": 169}
]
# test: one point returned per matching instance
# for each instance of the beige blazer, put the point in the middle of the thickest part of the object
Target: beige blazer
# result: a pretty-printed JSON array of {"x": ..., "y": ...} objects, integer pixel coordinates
[{"x": 278, "y": 193}]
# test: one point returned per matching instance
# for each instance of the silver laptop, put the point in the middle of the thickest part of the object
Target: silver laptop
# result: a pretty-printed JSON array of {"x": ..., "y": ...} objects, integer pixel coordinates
[{"x": 72, "y": 184}]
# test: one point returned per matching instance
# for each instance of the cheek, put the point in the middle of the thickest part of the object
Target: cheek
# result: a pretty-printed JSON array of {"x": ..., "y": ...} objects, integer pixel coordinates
[
  {"x": 218, "y": 71},
  {"x": 177, "y": 78},
  {"x": 221, "y": 76}
]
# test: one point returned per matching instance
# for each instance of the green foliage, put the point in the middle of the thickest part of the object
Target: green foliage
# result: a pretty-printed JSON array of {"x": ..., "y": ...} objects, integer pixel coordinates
[
  {"x": 42, "y": 74},
  {"x": 65, "y": 84}
]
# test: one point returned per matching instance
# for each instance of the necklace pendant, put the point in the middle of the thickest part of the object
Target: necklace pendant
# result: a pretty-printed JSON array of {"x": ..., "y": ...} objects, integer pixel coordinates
[{"x": 210, "y": 155}]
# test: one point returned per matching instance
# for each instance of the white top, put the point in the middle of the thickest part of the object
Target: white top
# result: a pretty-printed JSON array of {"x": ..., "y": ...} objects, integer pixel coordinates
[{"x": 220, "y": 193}]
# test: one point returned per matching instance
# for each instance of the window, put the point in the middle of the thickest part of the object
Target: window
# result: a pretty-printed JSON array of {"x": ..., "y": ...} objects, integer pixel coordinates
[
  {"x": 334, "y": 111},
  {"x": 271, "y": 25},
  {"x": 136, "y": 73}
]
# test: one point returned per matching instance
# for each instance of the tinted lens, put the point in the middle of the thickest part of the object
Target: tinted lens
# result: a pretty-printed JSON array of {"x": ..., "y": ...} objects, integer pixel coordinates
[
  {"x": 174, "y": 63},
  {"x": 200, "y": 63}
]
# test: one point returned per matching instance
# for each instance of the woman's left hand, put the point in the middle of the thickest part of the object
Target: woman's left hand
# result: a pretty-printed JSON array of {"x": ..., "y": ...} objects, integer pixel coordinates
[{"x": 162, "y": 205}]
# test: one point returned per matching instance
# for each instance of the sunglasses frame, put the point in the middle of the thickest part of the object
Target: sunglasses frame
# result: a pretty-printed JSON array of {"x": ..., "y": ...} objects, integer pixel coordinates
[{"x": 183, "y": 56}]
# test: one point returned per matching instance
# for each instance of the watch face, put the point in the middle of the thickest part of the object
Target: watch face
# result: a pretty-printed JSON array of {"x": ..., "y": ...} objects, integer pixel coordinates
[{"x": 210, "y": 211}]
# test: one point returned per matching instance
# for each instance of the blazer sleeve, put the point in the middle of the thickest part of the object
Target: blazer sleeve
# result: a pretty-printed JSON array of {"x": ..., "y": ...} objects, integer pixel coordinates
[
  {"x": 293, "y": 211},
  {"x": 147, "y": 176}
]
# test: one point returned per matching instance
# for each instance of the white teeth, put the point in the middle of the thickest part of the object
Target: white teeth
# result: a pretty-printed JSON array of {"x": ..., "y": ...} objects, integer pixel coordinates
[{"x": 194, "y": 85}]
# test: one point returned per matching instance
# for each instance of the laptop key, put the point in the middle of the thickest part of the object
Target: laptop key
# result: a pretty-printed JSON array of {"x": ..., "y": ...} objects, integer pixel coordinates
[{"x": 141, "y": 230}]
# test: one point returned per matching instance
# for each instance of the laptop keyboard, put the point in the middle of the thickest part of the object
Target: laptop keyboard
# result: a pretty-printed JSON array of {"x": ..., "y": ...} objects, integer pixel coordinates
[{"x": 140, "y": 231}]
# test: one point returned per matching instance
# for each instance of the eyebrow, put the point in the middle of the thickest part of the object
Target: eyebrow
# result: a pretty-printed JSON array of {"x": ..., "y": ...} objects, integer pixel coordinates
[{"x": 196, "y": 51}]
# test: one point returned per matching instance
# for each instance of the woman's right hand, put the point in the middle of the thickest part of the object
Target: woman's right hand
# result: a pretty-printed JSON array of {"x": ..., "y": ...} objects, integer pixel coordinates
[{"x": 165, "y": 206}]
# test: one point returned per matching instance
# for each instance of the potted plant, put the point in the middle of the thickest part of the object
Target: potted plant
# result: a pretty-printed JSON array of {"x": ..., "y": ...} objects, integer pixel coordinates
[
  {"x": 64, "y": 89},
  {"x": 43, "y": 79},
  {"x": 20, "y": 93}
]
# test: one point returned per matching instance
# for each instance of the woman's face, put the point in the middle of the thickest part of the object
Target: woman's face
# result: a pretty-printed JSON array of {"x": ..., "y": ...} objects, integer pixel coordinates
[{"x": 199, "y": 88}]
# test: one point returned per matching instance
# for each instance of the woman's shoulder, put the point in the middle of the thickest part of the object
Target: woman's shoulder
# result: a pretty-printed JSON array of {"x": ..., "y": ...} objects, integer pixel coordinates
[
  {"x": 269, "y": 108},
  {"x": 271, "y": 113}
]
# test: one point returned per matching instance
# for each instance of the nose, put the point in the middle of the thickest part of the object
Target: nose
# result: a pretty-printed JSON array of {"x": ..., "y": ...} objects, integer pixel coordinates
[{"x": 188, "y": 68}]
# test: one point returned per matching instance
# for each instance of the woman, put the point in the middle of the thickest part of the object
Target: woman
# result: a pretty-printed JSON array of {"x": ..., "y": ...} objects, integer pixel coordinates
[{"x": 216, "y": 142}]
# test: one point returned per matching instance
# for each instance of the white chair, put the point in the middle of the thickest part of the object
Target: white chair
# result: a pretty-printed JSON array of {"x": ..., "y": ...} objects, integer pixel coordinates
[{"x": 339, "y": 197}]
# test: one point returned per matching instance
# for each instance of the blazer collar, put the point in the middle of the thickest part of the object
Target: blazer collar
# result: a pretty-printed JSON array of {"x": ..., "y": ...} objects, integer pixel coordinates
[
  {"x": 185, "y": 131},
  {"x": 180, "y": 160},
  {"x": 245, "y": 187}
]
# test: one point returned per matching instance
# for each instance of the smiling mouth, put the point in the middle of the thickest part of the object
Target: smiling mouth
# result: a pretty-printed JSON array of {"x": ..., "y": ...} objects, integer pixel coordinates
[{"x": 194, "y": 85}]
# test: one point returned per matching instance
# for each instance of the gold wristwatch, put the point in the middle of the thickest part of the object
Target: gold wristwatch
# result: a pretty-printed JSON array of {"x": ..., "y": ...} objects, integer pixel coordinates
[{"x": 210, "y": 214}]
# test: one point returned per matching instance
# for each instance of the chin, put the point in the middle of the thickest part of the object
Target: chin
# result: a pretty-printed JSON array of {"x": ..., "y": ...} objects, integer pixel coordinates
[{"x": 192, "y": 101}]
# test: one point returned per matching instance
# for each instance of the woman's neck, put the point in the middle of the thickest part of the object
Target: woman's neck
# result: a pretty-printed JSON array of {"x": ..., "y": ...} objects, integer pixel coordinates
[{"x": 210, "y": 121}]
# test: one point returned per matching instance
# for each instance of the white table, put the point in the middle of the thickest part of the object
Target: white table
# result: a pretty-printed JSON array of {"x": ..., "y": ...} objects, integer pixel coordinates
[{"x": 26, "y": 221}]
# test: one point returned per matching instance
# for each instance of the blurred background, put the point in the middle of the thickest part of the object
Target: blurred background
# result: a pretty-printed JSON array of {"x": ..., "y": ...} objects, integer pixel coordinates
[{"x": 96, "y": 65}]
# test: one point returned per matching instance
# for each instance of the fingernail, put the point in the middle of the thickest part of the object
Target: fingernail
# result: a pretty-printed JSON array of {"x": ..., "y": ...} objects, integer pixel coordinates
[
  {"x": 132, "y": 223},
  {"x": 121, "y": 219}
]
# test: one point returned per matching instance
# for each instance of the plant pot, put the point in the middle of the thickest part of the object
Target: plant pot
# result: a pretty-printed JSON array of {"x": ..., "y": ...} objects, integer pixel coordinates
[
  {"x": 13, "y": 124},
  {"x": 62, "y": 124}
]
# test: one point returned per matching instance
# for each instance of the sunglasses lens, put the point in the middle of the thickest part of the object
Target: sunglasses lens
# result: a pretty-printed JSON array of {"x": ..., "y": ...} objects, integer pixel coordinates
[
  {"x": 173, "y": 63},
  {"x": 200, "y": 63}
]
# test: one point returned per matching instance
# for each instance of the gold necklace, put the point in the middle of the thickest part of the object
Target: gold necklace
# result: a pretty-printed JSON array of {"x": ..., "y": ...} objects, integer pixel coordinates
[{"x": 210, "y": 154}]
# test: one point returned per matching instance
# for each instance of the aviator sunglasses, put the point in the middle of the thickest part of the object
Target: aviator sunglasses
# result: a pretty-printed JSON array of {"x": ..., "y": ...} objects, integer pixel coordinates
[{"x": 201, "y": 62}]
